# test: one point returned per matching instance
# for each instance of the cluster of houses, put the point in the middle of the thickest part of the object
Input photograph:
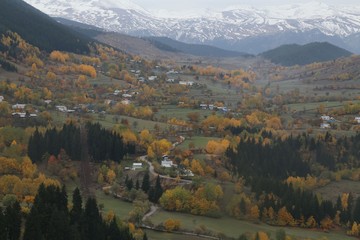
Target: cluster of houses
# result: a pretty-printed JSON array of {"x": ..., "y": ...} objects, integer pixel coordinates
[
  {"x": 19, "y": 111},
  {"x": 326, "y": 121},
  {"x": 166, "y": 163},
  {"x": 211, "y": 107}
]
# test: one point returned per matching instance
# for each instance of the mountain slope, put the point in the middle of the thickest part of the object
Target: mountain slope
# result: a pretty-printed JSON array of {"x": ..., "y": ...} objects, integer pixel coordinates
[
  {"x": 225, "y": 29},
  {"x": 294, "y": 54},
  {"x": 168, "y": 44},
  {"x": 39, "y": 29}
]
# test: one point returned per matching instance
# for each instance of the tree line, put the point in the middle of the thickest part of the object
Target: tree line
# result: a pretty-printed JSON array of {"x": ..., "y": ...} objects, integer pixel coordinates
[
  {"x": 293, "y": 156},
  {"x": 102, "y": 143},
  {"x": 50, "y": 218}
]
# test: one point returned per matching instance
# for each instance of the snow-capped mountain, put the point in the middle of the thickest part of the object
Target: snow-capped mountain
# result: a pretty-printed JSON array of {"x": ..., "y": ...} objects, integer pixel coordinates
[{"x": 230, "y": 28}]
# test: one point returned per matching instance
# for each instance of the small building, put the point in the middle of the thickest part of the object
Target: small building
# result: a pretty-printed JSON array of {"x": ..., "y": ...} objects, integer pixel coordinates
[
  {"x": 166, "y": 162},
  {"x": 170, "y": 80},
  {"x": 186, "y": 83},
  {"x": 1, "y": 98},
  {"x": 126, "y": 95},
  {"x": 47, "y": 101},
  {"x": 325, "y": 125},
  {"x": 18, "y": 106},
  {"x": 325, "y": 118},
  {"x": 116, "y": 92},
  {"x": 61, "y": 108},
  {"x": 19, "y": 114},
  {"x": 136, "y": 165},
  {"x": 357, "y": 119},
  {"x": 152, "y": 78},
  {"x": 203, "y": 106},
  {"x": 211, "y": 106}
]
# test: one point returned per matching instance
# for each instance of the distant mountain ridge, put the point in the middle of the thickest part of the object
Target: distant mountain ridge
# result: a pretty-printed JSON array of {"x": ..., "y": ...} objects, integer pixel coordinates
[
  {"x": 294, "y": 54},
  {"x": 232, "y": 29},
  {"x": 171, "y": 45},
  {"x": 39, "y": 29}
]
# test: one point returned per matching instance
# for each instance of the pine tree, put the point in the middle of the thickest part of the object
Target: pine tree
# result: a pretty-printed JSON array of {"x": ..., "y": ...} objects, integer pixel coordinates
[
  {"x": 158, "y": 190},
  {"x": 32, "y": 226},
  {"x": 145, "y": 186},
  {"x": 76, "y": 211},
  {"x": 129, "y": 184},
  {"x": 59, "y": 227},
  {"x": 145, "y": 237},
  {"x": 92, "y": 224},
  {"x": 13, "y": 221},
  {"x": 113, "y": 231},
  {"x": 3, "y": 232},
  {"x": 137, "y": 184},
  {"x": 356, "y": 213}
]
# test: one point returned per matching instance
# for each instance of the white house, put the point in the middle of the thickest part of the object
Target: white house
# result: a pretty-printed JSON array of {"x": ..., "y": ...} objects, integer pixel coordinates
[
  {"x": 203, "y": 106},
  {"x": 18, "y": 106},
  {"x": 325, "y": 125},
  {"x": 325, "y": 118},
  {"x": 186, "y": 83},
  {"x": 166, "y": 162},
  {"x": 116, "y": 92},
  {"x": 61, "y": 108},
  {"x": 136, "y": 165},
  {"x": 126, "y": 95},
  {"x": 152, "y": 78},
  {"x": 357, "y": 119},
  {"x": 20, "y": 114},
  {"x": 170, "y": 80},
  {"x": 1, "y": 98}
]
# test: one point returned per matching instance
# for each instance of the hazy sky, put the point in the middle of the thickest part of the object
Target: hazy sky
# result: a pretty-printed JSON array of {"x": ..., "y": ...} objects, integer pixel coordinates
[{"x": 185, "y": 5}]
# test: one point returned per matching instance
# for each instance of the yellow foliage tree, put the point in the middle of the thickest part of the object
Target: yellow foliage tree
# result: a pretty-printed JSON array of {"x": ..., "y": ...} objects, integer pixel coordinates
[
  {"x": 196, "y": 168},
  {"x": 28, "y": 168},
  {"x": 254, "y": 212},
  {"x": 59, "y": 56},
  {"x": 172, "y": 224},
  {"x": 110, "y": 176}
]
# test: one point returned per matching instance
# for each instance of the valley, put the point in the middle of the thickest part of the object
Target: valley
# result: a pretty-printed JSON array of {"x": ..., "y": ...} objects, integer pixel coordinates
[{"x": 118, "y": 137}]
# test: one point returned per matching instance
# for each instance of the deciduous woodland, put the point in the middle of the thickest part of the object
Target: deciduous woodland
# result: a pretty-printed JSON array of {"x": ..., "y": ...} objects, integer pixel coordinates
[{"x": 108, "y": 145}]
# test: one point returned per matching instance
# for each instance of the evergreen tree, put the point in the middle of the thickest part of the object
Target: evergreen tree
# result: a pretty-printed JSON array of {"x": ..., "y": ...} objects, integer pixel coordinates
[
  {"x": 76, "y": 211},
  {"x": 242, "y": 206},
  {"x": 156, "y": 192},
  {"x": 356, "y": 214},
  {"x": 59, "y": 227},
  {"x": 12, "y": 218},
  {"x": 92, "y": 225},
  {"x": 32, "y": 226},
  {"x": 113, "y": 231},
  {"x": 129, "y": 184},
  {"x": 145, "y": 186},
  {"x": 137, "y": 184},
  {"x": 3, "y": 232},
  {"x": 145, "y": 237}
]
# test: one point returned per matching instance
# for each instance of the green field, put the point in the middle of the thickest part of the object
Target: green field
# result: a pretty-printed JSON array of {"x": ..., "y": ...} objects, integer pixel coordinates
[
  {"x": 234, "y": 228},
  {"x": 332, "y": 190},
  {"x": 154, "y": 235},
  {"x": 199, "y": 142},
  {"x": 109, "y": 120},
  {"x": 120, "y": 208}
]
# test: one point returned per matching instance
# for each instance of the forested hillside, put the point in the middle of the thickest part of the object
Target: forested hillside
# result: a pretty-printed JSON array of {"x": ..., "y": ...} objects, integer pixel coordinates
[
  {"x": 39, "y": 29},
  {"x": 294, "y": 54}
]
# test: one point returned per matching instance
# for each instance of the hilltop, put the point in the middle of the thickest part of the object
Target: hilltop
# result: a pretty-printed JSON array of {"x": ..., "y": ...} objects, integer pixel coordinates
[{"x": 294, "y": 54}]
